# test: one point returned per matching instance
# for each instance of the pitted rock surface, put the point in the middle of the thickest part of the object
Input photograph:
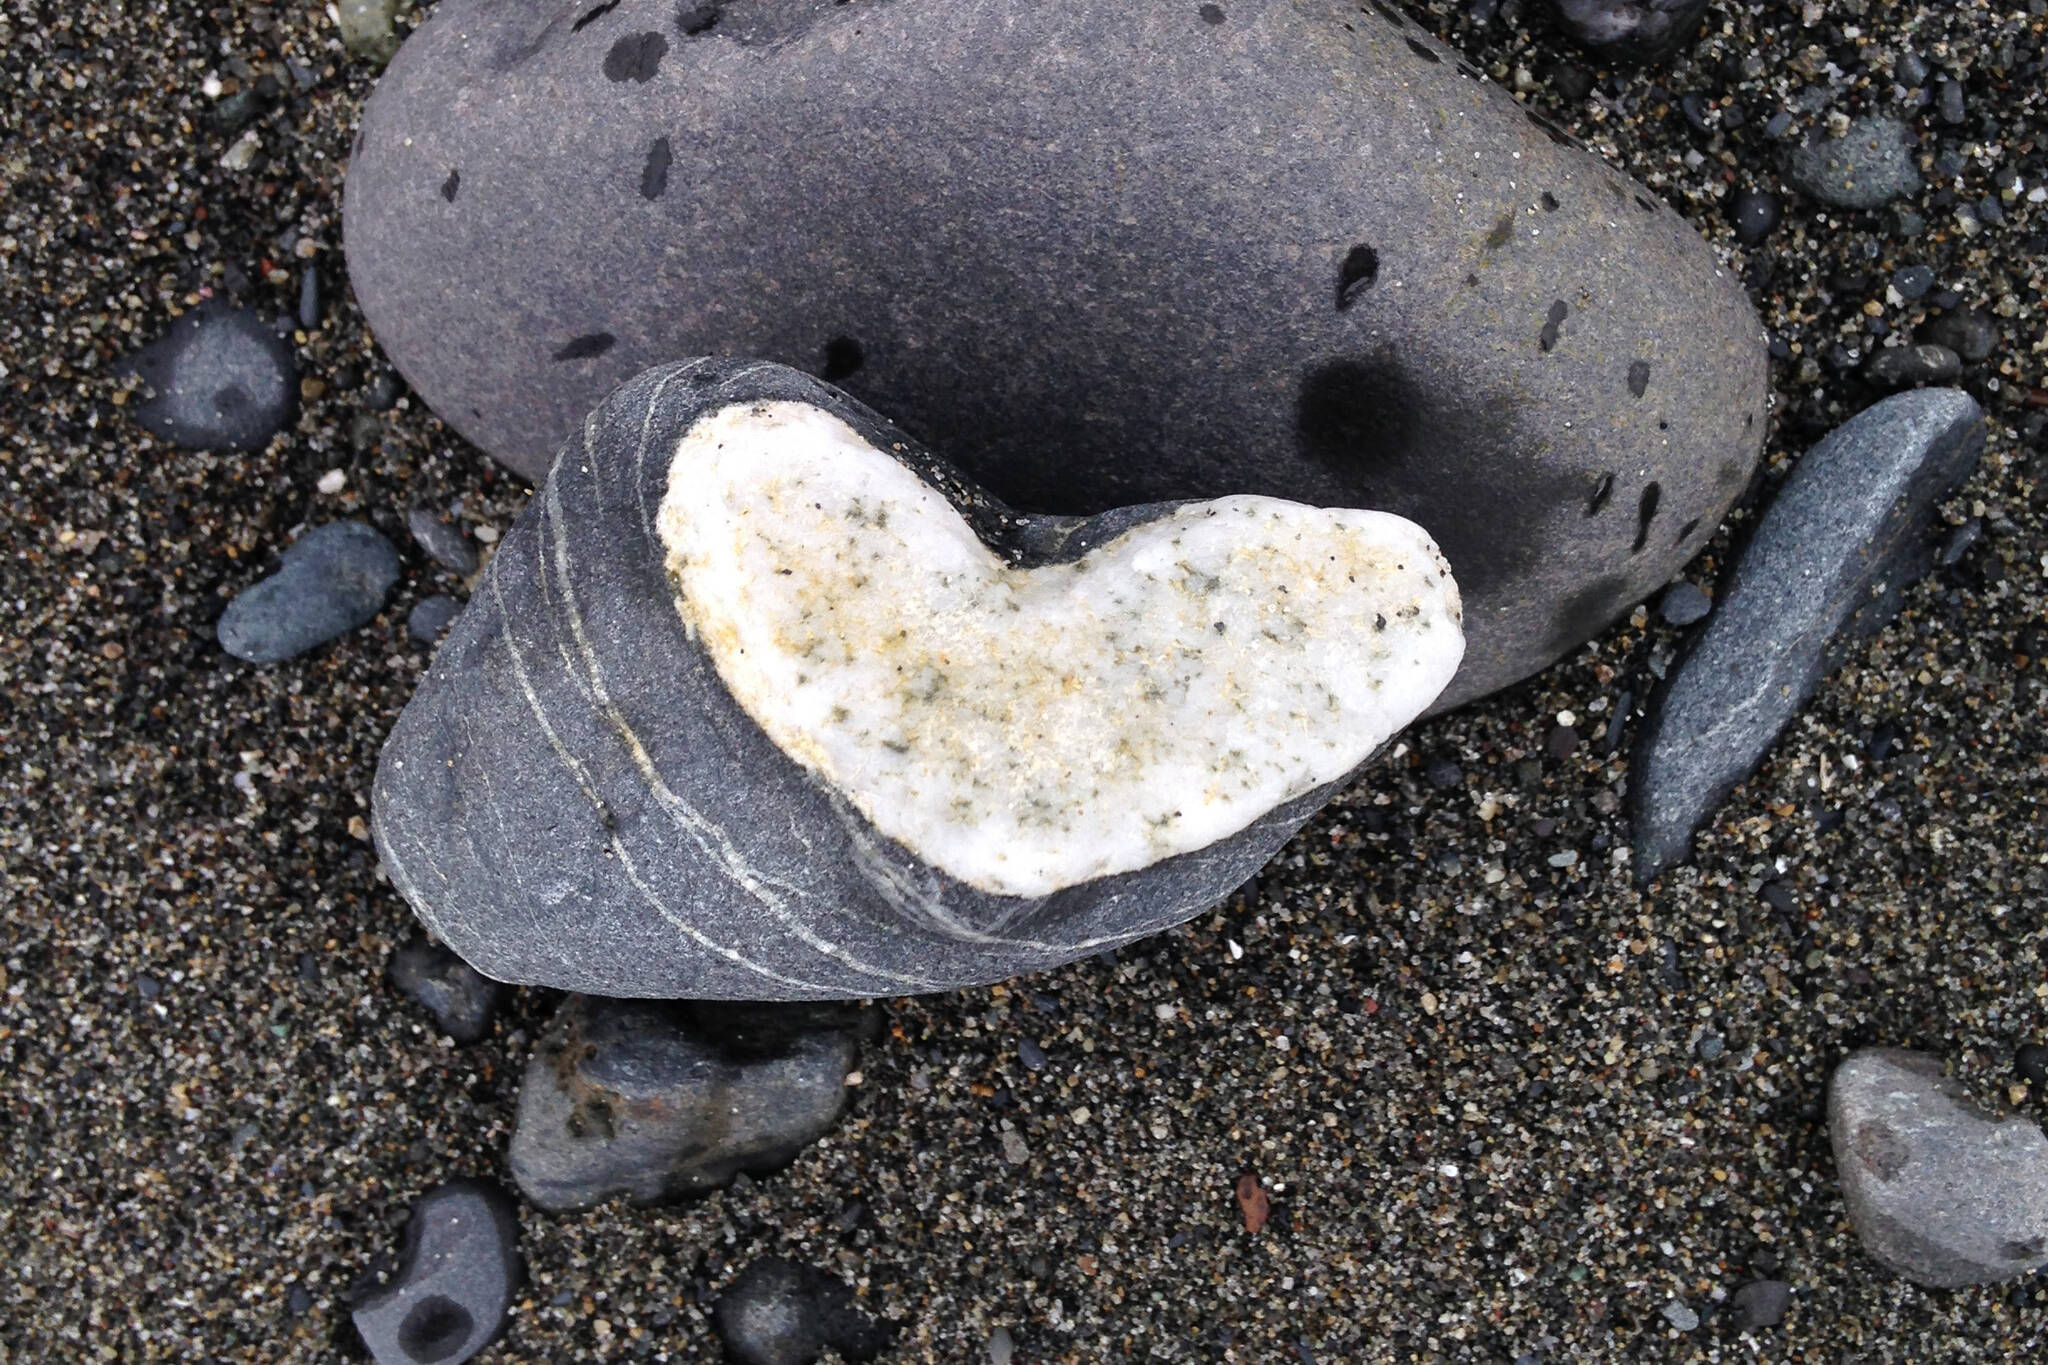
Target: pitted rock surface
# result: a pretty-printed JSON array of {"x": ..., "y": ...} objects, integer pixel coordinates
[{"x": 1100, "y": 254}]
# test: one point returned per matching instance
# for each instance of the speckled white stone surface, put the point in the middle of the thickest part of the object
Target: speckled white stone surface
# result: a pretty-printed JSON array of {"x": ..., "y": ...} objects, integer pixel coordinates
[{"x": 1029, "y": 729}]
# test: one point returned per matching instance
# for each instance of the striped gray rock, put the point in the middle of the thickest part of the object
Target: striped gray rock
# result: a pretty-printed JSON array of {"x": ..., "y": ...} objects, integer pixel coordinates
[
  {"x": 1098, "y": 253},
  {"x": 576, "y": 798},
  {"x": 1828, "y": 565}
]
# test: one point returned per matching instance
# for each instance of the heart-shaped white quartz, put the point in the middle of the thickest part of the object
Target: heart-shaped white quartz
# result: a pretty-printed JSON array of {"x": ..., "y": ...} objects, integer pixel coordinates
[{"x": 1029, "y": 729}]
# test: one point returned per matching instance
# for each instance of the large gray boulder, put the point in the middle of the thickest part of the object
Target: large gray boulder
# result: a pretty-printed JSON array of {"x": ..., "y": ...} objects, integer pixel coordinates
[
  {"x": 759, "y": 700},
  {"x": 1100, "y": 254}
]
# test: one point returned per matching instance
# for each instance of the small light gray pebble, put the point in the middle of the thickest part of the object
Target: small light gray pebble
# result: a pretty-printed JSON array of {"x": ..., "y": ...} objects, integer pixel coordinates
[
  {"x": 455, "y": 1280},
  {"x": 1941, "y": 1191},
  {"x": 445, "y": 543},
  {"x": 1632, "y": 30},
  {"x": 1913, "y": 281},
  {"x": 1684, "y": 604},
  {"x": 333, "y": 579},
  {"x": 222, "y": 380},
  {"x": 1001, "y": 1350},
  {"x": 431, "y": 618},
  {"x": 1681, "y": 1316},
  {"x": 1871, "y": 164}
]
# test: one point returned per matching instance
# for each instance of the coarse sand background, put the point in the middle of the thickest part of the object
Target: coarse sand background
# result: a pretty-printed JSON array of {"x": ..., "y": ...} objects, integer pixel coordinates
[{"x": 1505, "y": 1105}]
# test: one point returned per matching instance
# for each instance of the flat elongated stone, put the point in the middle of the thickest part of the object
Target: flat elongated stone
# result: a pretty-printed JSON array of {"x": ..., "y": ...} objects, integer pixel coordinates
[
  {"x": 1101, "y": 254},
  {"x": 329, "y": 581},
  {"x": 1828, "y": 564},
  {"x": 760, "y": 701},
  {"x": 1940, "y": 1191}
]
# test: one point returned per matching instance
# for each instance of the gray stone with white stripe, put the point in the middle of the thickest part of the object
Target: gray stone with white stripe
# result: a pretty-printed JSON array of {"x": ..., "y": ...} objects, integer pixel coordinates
[{"x": 575, "y": 799}]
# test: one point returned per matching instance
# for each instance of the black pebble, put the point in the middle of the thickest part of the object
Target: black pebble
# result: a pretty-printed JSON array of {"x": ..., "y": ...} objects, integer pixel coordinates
[
  {"x": 1632, "y": 30},
  {"x": 1760, "y": 1303},
  {"x": 1971, "y": 334},
  {"x": 1442, "y": 774},
  {"x": 462, "y": 1000},
  {"x": 1949, "y": 101},
  {"x": 1905, "y": 367},
  {"x": 780, "y": 1313},
  {"x": 1913, "y": 281},
  {"x": 2033, "y": 1063},
  {"x": 1571, "y": 82},
  {"x": 1031, "y": 1054},
  {"x": 382, "y": 395},
  {"x": 1755, "y": 214},
  {"x": 222, "y": 380},
  {"x": 455, "y": 1280}
]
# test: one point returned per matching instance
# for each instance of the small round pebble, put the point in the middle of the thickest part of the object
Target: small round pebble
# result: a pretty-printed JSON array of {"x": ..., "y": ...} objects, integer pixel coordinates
[
  {"x": 462, "y": 999},
  {"x": 1031, "y": 1054},
  {"x": 1870, "y": 165},
  {"x": 1442, "y": 774},
  {"x": 222, "y": 380},
  {"x": 431, "y": 618},
  {"x": 1912, "y": 281},
  {"x": 1755, "y": 214},
  {"x": 1684, "y": 604},
  {"x": 1969, "y": 333},
  {"x": 333, "y": 579},
  {"x": 780, "y": 1313},
  {"x": 1001, "y": 1350},
  {"x": 1760, "y": 1303},
  {"x": 1681, "y": 1316}
]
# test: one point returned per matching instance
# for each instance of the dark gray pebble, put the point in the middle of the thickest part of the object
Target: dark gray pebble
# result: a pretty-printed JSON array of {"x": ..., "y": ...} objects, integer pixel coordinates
[
  {"x": 455, "y": 1279},
  {"x": 1949, "y": 102},
  {"x": 309, "y": 298},
  {"x": 1684, "y": 604},
  {"x": 657, "y": 1099},
  {"x": 462, "y": 999},
  {"x": 1755, "y": 214},
  {"x": 1968, "y": 332},
  {"x": 1912, "y": 70},
  {"x": 1031, "y": 1054},
  {"x": 445, "y": 543},
  {"x": 1905, "y": 367},
  {"x": 1760, "y": 1303},
  {"x": 2032, "y": 1062},
  {"x": 1828, "y": 563},
  {"x": 1632, "y": 30},
  {"x": 1940, "y": 1190},
  {"x": 1442, "y": 774},
  {"x": 1959, "y": 543},
  {"x": 780, "y": 1313},
  {"x": 222, "y": 380},
  {"x": 333, "y": 579},
  {"x": 1872, "y": 164},
  {"x": 1913, "y": 281},
  {"x": 382, "y": 395},
  {"x": 431, "y": 618}
]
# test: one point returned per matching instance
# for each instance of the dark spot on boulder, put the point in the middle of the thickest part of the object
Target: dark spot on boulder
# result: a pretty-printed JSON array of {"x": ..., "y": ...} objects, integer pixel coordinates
[
  {"x": 1586, "y": 611},
  {"x": 1646, "y": 512},
  {"x": 2029, "y": 1249},
  {"x": 1881, "y": 1149},
  {"x": 587, "y": 346},
  {"x": 1646, "y": 204},
  {"x": 1389, "y": 13},
  {"x": 1503, "y": 232},
  {"x": 451, "y": 186},
  {"x": 1550, "y": 204},
  {"x": 697, "y": 20},
  {"x": 843, "y": 357},
  {"x": 1211, "y": 14},
  {"x": 1423, "y": 50},
  {"x": 592, "y": 15},
  {"x": 635, "y": 57},
  {"x": 1685, "y": 531},
  {"x": 654, "y": 175},
  {"x": 1547, "y": 338},
  {"x": 1639, "y": 378},
  {"x": 1602, "y": 491},
  {"x": 1360, "y": 269}
]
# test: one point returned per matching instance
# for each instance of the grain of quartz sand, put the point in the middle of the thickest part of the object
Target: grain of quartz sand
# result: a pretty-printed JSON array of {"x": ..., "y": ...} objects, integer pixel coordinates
[{"x": 1503, "y": 1102}]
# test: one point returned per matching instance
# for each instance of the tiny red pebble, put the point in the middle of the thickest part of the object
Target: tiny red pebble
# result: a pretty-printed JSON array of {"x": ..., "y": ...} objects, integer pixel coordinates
[{"x": 1372, "y": 1006}]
